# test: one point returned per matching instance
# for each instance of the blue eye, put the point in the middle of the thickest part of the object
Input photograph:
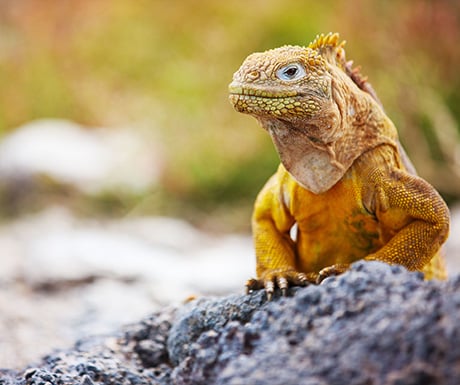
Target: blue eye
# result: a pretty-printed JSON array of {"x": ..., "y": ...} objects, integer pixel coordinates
[{"x": 292, "y": 71}]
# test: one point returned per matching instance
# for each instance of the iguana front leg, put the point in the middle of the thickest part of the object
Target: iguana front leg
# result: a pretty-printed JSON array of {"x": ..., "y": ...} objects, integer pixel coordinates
[
  {"x": 414, "y": 211},
  {"x": 275, "y": 250},
  {"x": 275, "y": 256},
  {"x": 414, "y": 217}
]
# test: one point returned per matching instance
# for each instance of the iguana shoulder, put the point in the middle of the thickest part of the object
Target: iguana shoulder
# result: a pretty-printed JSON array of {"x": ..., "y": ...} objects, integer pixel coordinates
[{"x": 344, "y": 180}]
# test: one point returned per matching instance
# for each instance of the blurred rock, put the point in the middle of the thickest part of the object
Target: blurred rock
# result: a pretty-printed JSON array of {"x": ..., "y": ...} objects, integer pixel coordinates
[
  {"x": 91, "y": 160},
  {"x": 64, "y": 278},
  {"x": 452, "y": 246},
  {"x": 375, "y": 324}
]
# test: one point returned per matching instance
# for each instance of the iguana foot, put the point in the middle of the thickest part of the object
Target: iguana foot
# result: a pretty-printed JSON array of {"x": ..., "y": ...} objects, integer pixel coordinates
[
  {"x": 282, "y": 279},
  {"x": 329, "y": 271}
]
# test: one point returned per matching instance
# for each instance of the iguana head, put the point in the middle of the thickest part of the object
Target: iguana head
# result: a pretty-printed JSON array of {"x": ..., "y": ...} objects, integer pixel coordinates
[{"x": 320, "y": 113}]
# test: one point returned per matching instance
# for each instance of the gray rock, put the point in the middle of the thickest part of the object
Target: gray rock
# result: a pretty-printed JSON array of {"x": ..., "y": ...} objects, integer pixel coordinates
[
  {"x": 452, "y": 246},
  {"x": 80, "y": 275},
  {"x": 375, "y": 324},
  {"x": 203, "y": 318},
  {"x": 91, "y": 160}
]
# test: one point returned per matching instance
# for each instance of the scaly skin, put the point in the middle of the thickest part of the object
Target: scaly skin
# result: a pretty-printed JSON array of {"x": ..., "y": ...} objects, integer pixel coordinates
[{"x": 344, "y": 179}]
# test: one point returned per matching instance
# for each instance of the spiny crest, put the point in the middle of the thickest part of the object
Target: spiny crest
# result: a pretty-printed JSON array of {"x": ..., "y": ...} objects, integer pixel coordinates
[
  {"x": 330, "y": 40},
  {"x": 331, "y": 48}
]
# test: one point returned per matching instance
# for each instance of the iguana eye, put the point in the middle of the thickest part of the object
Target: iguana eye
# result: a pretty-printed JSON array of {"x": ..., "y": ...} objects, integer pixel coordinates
[{"x": 292, "y": 71}]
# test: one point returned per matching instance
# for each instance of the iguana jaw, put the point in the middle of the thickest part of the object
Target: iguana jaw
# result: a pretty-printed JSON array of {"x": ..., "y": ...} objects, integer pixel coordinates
[
  {"x": 238, "y": 90},
  {"x": 294, "y": 121},
  {"x": 299, "y": 106},
  {"x": 262, "y": 101}
]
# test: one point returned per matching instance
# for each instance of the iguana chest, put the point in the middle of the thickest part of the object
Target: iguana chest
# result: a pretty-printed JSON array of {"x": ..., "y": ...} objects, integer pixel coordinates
[{"x": 333, "y": 227}]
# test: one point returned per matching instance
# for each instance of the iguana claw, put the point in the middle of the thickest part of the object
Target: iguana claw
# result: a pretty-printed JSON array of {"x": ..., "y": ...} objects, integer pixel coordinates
[
  {"x": 281, "y": 279},
  {"x": 329, "y": 271}
]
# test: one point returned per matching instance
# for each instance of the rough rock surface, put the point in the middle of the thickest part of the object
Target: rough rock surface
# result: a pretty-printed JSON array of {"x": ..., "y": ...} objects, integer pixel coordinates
[{"x": 373, "y": 325}]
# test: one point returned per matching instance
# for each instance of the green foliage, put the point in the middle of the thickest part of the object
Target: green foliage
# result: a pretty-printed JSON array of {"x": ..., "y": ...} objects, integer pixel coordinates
[{"x": 165, "y": 66}]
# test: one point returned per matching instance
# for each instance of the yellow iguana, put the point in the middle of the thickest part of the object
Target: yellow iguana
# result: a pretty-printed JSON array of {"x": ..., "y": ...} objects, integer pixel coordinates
[{"x": 344, "y": 179}]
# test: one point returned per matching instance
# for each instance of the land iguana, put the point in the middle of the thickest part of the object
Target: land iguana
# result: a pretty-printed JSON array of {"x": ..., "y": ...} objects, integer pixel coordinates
[{"x": 344, "y": 179}]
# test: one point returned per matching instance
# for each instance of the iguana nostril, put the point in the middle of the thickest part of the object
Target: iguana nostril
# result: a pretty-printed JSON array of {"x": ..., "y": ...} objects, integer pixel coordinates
[{"x": 253, "y": 75}]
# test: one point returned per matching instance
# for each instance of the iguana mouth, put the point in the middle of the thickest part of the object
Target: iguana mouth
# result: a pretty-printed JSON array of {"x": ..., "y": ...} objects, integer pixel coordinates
[
  {"x": 262, "y": 101},
  {"x": 265, "y": 93},
  {"x": 259, "y": 97},
  {"x": 238, "y": 93}
]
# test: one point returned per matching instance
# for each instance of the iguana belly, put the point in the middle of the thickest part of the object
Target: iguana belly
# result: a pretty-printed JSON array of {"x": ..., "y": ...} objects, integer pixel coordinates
[{"x": 333, "y": 227}]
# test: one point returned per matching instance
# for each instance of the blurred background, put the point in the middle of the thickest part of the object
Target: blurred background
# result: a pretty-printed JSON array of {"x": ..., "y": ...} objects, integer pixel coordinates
[
  {"x": 161, "y": 70},
  {"x": 114, "y": 119}
]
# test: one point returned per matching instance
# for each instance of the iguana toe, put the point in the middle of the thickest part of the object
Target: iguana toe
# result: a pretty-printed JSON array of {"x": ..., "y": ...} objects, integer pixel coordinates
[
  {"x": 330, "y": 271},
  {"x": 279, "y": 279}
]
